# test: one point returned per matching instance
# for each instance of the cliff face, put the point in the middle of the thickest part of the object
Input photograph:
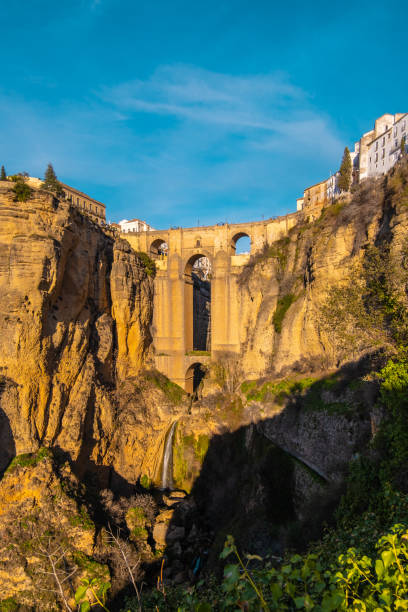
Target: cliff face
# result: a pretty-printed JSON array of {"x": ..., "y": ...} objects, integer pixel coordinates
[
  {"x": 285, "y": 288},
  {"x": 75, "y": 310}
]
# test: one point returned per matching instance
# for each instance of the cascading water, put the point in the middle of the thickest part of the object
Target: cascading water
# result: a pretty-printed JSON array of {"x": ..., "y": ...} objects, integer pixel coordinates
[{"x": 167, "y": 471}]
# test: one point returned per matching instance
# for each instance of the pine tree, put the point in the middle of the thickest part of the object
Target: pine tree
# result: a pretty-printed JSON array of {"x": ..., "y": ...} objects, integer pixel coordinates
[
  {"x": 346, "y": 169},
  {"x": 3, "y": 175},
  {"x": 403, "y": 143},
  {"x": 51, "y": 183}
]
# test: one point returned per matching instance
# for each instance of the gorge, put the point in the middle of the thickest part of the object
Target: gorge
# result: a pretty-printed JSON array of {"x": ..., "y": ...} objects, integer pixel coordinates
[{"x": 96, "y": 441}]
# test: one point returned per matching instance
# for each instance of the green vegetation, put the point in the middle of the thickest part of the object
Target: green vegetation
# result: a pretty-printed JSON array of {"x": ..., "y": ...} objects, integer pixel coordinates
[
  {"x": 281, "y": 308},
  {"x": 331, "y": 211},
  {"x": 148, "y": 263},
  {"x": 136, "y": 520},
  {"x": 353, "y": 580},
  {"x": 92, "y": 593},
  {"x": 92, "y": 568},
  {"x": 188, "y": 456},
  {"x": 51, "y": 183},
  {"x": 346, "y": 169},
  {"x": 3, "y": 177},
  {"x": 172, "y": 391},
  {"x": 367, "y": 311},
  {"x": 21, "y": 190},
  {"x": 82, "y": 519},
  {"x": 29, "y": 459},
  {"x": 145, "y": 481},
  {"x": 199, "y": 353},
  {"x": 403, "y": 145},
  {"x": 8, "y": 605},
  {"x": 277, "y": 250},
  {"x": 277, "y": 390}
]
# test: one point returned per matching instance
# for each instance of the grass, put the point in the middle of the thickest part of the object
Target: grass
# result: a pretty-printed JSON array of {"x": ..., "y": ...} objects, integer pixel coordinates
[
  {"x": 282, "y": 307},
  {"x": 82, "y": 520},
  {"x": 279, "y": 390},
  {"x": 199, "y": 353},
  {"x": 29, "y": 459},
  {"x": 310, "y": 389},
  {"x": 8, "y": 605},
  {"x": 174, "y": 393}
]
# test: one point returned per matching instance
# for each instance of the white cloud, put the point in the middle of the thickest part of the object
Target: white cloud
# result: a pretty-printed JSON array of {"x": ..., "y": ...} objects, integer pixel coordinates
[
  {"x": 185, "y": 142},
  {"x": 251, "y": 102}
]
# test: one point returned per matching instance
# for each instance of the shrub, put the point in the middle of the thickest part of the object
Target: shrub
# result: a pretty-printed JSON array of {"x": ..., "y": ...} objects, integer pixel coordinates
[
  {"x": 148, "y": 263},
  {"x": 281, "y": 308},
  {"x": 21, "y": 190}
]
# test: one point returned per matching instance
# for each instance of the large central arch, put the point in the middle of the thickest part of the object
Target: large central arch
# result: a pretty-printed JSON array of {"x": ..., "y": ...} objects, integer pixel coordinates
[{"x": 197, "y": 303}]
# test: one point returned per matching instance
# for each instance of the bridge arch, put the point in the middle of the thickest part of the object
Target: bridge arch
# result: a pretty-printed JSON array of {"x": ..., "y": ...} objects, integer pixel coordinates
[
  {"x": 194, "y": 375},
  {"x": 197, "y": 302},
  {"x": 158, "y": 248},
  {"x": 241, "y": 239}
]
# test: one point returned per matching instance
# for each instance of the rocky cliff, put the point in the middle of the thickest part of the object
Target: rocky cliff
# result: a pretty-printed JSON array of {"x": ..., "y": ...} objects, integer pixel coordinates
[
  {"x": 284, "y": 289},
  {"x": 267, "y": 447},
  {"x": 75, "y": 311}
]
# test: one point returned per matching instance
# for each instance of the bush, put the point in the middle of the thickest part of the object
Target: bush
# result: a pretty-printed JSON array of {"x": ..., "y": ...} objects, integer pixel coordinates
[
  {"x": 282, "y": 307},
  {"x": 21, "y": 190},
  {"x": 148, "y": 263}
]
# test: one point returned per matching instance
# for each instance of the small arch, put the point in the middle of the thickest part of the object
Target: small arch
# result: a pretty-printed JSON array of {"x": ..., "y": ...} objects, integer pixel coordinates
[
  {"x": 159, "y": 249},
  {"x": 241, "y": 243},
  {"x": 194, "y": 376}
]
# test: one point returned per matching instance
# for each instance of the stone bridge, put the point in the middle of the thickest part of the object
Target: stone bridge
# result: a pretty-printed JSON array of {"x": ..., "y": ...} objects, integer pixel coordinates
[{"x": 175, "y": 303}]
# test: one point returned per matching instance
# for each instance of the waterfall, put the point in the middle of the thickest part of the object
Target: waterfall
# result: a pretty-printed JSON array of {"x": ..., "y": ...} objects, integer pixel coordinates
[{"x": 167, "y": 471}]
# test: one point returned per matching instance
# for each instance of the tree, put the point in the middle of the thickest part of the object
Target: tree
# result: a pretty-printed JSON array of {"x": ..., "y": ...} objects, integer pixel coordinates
[
  {"x": 51, "y": 183},
  {"x": 3, "y": 175},
  {"x": 345, "y": 171},
  {"x": 21, "y": 189},
  {"x": 403, "y": 143}
]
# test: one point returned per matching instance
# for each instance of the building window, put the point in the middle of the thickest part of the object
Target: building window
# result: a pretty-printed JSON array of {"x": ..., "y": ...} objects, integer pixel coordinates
[
  {"x": 383, "y": 141},
  {"x": 376, "y": 157}
]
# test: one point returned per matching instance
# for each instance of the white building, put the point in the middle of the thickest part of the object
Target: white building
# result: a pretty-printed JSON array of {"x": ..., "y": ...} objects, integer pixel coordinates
[
  {"x": 134, "y": 225},
  {"x": 385, "y": 149},
  {"x": 332, "y": 189}
]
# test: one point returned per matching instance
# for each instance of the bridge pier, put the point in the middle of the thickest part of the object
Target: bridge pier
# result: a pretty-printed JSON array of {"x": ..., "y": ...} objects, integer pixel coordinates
[{"x": 172, "y": 327}]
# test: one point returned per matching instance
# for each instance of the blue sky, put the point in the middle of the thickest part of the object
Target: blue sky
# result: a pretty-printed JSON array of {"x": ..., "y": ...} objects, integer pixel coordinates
[{"x": 179, "y": 111}]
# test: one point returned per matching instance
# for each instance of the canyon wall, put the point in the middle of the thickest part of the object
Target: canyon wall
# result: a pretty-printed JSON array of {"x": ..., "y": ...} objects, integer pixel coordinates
[
  {"x": 284, "y": 289},
  {"x": 75, "y": 312}
]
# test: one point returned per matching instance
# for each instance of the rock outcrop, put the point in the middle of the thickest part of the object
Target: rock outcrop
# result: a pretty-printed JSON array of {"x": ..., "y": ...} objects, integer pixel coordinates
[
  {"x": 75, "y": 311},
  {"x": 285, "y": 287}
]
